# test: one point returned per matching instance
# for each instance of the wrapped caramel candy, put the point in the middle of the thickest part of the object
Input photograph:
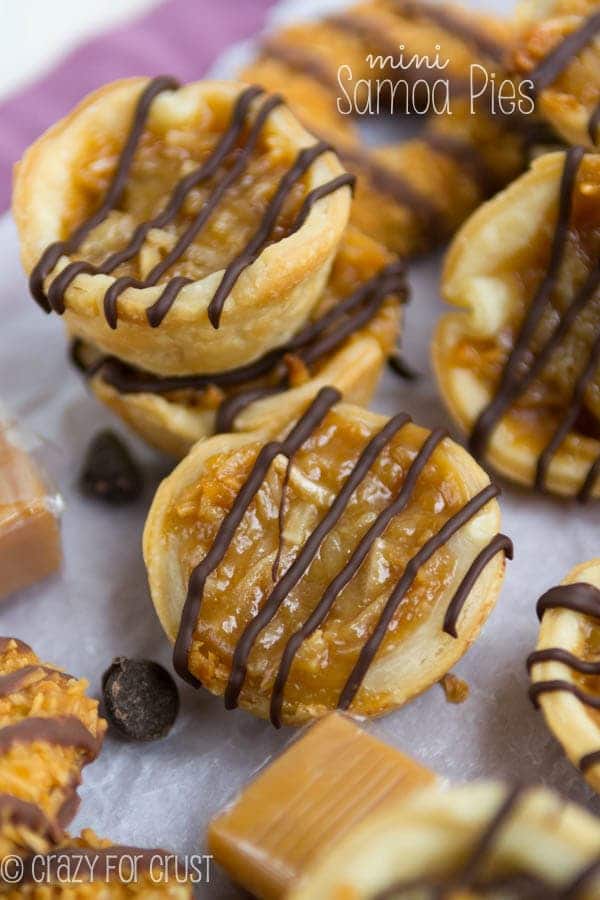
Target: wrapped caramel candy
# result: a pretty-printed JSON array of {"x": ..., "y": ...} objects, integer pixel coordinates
[
  {"x": 324, "y": 784},
  {"x": 30, "y": 546}
]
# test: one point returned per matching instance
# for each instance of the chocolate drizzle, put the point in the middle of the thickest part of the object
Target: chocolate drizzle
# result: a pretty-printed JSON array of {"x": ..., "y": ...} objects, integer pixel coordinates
[
  {"x": 53, "y": 253},
  {"x": 60, "y": 731},
  {"x": 305, "y": 426},
  {"x": 369, "y": 650},
  {"x": 311, "y": 419},
  {"x": 500, "y": 544},
  {"x": 469, "y": 876},
  {"x": 554, "y": 64},
  {"x": 583, "y": 598},
  {"x": 226, "y": 146},
  {"x": 310, "y": 345},
  {"x": 594, "y": 125},
  {"x": 22, "y": 813},
  {"x": 518, "y": 374},
  {"x": 13, "y": 682},
  {"x": 301, "y": 59}
]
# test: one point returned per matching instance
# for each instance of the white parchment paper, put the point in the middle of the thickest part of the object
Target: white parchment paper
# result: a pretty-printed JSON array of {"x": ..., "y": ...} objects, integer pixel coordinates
[{"x": 163, "y": 794}]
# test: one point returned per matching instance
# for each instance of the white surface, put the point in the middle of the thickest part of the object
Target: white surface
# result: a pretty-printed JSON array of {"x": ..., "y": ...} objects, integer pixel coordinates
[
  {"x": 35, "y": 33},
  {"x": 164, "y": 794}
]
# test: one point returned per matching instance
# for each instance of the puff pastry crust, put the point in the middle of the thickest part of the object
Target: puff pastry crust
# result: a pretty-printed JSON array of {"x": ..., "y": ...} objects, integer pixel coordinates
[
  {"x": 558, "y": 48},
  {"x": 565, "y": 666},
  {"x": 435, "y": 841},
  {"x": 518, "y": 365},
  {"x": 174, "y": 420},
  {"x": 238, "y": 236},
  {"x": 294, "y": 588}
]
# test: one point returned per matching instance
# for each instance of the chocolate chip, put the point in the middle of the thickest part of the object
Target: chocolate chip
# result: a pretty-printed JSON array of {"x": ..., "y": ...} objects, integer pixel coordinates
[
  {"x": 109, "y": 472},
  {"x": 140, "y": 698}
]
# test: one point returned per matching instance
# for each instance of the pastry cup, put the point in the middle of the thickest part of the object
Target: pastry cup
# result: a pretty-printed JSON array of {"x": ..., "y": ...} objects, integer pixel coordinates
[
  {"x": 568, "y": 93},
  {"x": 64, "y": 176},
  {"x": 426, "y": 842},
  {"x": 574, "y": 722},
  {"x": 174, "y": 421},
  {"x": 342, "y": 663},
  {"x": 499, "y": 262}
]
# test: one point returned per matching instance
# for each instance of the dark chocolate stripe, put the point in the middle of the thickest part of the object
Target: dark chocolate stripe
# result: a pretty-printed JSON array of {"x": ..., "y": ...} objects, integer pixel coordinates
[
  {"x": 231, "y": 407},
  {"x": 13, "y": 682},
  {"x": 379, "y": 287},
  {"x": 429, "y": 548},
  {"x": 398, "y": 365},
  {"x": 570, "y": 417},
  {"x": 581, "y": 881},
  {"x": 129, "y": 380},
  {"x": 21, "y": 646},
  {"x": 301, "y": 59},
  {"x": 501, "y": 543},
  {"x": 490, "y": 835},
  {"x": 259, "y": 240},
  {"x": 588, "y": 486},
  {"x": 594, "y": 125},
  {"x": 457, "y": 25},
  {"x": 589, "y": 760},
  {"x": 557, "y": 654},
  {"x": 22, "y": 813},
  {"x": 181, "y": 191},
  {"x": 510, "y": 381},
  {"x": 60, "y": 731},
  {"x": 564, "y": 53},
  {"x": 159, "y": 309},
  {"x": 305, "y": 557},
  {"x": 464, "y": 154},
  {"x": 393, "y": 185},
  {"x": 559, "y": 685},
  {"x": 578, "y": 597},
  {"x": 52, "y": 254},
  {"x": 467, "y": 875},
  {"x": 310, "y": 344},
  {"x": 303, "y": 428},
  {"x": 102, "y": 863},
  {"x": 348, "y": 572},
  {"x": 161, "y": 306},
  {"x": 376, "y": 38}
]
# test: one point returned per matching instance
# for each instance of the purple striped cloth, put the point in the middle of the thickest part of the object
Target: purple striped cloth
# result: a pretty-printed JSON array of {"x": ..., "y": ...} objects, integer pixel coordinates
[{"x": 178, "y": 37}]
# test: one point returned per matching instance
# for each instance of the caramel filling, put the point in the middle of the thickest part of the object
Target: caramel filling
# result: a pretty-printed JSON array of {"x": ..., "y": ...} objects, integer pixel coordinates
[
  {"x": 536, "y": 411},
  {"x": 163, "y": 157},
  {"x": 272, "y": 533}
]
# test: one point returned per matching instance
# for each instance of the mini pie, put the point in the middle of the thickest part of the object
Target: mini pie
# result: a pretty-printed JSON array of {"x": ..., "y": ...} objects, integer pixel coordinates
[
  {"x": 348, "y": 353},
  {"x": 411, "y": 195},
  {"x": 478, "y": 840},
  {"x": 118, "y": 872},
  {"x": 558, "y": 49},
  {"x": 349, "y": 564},
  {"x": 49, "y": 730},
  {"x": 565, "y": 667},
  {"x": 185, "y": 272},
  {"x": 519, "y": 364}
]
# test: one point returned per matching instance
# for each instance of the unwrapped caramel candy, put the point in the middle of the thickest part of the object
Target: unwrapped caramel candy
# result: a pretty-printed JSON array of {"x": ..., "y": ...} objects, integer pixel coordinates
[
  {"x": 30, "y": 547},
  {"x": 322, "y": 786}
]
